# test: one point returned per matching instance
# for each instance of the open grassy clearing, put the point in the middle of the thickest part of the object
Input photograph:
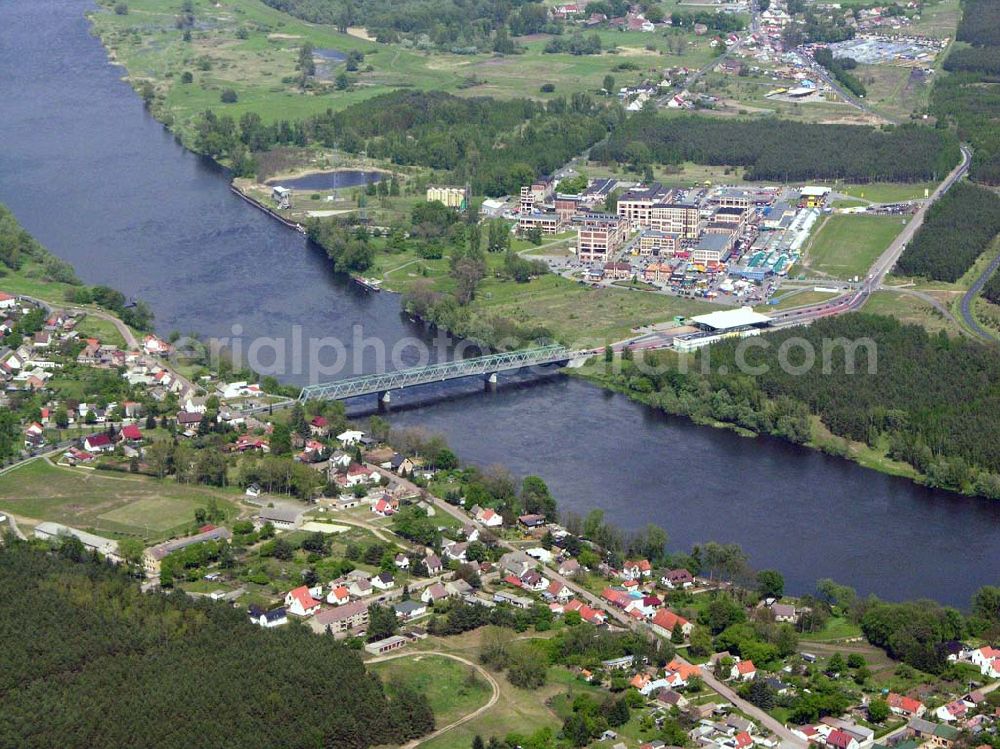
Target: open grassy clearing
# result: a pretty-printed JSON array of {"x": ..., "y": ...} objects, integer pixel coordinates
[
  {"x": 908, "y": 309},
  {"x": 106, "y": 503},
  {"x": 938, "y": 19},
  {"x": 566, "y": 308},
  {"x": 895, "y": 91},
  {"x": 252, "y": 48},
  {"x": 101, "y": 329},
  {"x": 453, "y": 689},
  {"x": 836, "y": 628},
  {"x": 27, "y": 281},
  {"x": 847, "y": 245}
]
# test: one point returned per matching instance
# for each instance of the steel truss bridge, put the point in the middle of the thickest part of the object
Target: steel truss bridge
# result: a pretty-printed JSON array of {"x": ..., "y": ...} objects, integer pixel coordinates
[{"x": 482, "y": 366}]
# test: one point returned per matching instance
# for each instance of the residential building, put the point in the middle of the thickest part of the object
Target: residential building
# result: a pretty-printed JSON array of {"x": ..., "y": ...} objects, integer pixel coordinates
[
  {"x": 155, "y": 554},
  {"x": 268, "y": 619},
  {"x": 351, "y": 616},
  {"x": 453, "y": 197},
  {"x": 300, "y": 602},
  {"x": 380, "y": 647}
]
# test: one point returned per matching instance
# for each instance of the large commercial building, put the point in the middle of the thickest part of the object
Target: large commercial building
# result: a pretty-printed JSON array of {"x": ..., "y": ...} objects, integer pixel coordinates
[
  {"x": 549, "y": 223},
  {"x": 675, "y": 218},
  {"x": 636, "y": 205},
  {"x": 598, "y": 238},
  {"x": 652, "y": 242},
  {"x": 155, "y": 554},
  {"x": 713, "y": 248}
]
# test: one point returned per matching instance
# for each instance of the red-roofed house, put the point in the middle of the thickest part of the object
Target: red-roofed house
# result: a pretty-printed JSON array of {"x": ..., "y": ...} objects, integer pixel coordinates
[
  {"x": 559, "y": 591},
  {"x": 593, "y": 616},
  {"x": 338, "y": 595},
  {"x": 616, "y": 597},
  {"x": 744, "y": 671},
  {"x": 742, "y": 740},
  {"x": 319, "y": 426},
  {"x": 7, "y": 301},
  {"x": 686, "y": 670},
  {"x": 490, "y": 518},
  {"x": 98, "y": 443},
  {"x": 130, "y": 433},
  {"x": 841, "y": 740},
  {"x": 665, "y": 620},
  {"x": 300, "y": 602},
  {"x": 514, "y": 580},
  {"x": 906, "y": 706},
  {"x": 383, "y": 508},
  {"x": 679, "y": 578}
]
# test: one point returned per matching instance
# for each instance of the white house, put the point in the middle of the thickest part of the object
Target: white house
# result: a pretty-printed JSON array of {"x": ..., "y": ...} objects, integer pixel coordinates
[
  {"x": 490, "y": 518},
  {"x": 350, "y": 437},
  {"x": 402, "y": 561},
  {"x": 338, "y": 595},
  {"x": 268, "y": 619},
  {"x": 98, "y": 443},
  {"x": 384, "y": 581},
  {"x": 7, "y": 301},
  {"x": 300, "y": 602},
  {"x": 433, "y": 593}
]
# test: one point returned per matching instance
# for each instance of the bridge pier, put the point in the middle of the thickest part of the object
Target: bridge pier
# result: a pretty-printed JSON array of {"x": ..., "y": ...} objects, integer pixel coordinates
[
  {"x": 384, "y": 401},
  {"x": 490, "y": 382}
]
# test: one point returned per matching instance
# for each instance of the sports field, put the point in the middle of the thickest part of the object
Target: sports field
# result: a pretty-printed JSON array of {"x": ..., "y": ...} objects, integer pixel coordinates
[{"x": 117, "y": 504}]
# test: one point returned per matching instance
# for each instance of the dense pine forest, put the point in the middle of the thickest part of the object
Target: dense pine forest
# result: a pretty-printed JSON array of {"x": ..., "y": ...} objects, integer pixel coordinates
[
  {"x": 931, "y": 401},
  {"x": 956, "y": 231},
  {"x": 88, "y": 660},
  {"x": 970, "y": 97},
  {"x": 781, "y": 150}
]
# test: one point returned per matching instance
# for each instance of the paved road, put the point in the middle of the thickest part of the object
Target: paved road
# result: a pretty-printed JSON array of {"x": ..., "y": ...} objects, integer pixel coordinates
[
  {"x": 465, "y": 718},
  {"x": 970, "y": 297},
  {"x": 776, "y": 727},
  {"x": 885, "y": 262}
]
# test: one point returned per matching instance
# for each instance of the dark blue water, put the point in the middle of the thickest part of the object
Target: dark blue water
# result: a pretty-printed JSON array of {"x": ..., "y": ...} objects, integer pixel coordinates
[{"x": 106, "y": 187}]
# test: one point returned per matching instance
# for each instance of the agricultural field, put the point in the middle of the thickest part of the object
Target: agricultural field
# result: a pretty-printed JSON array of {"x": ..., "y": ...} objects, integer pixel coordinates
[
  {"x": 106, "y": 503},
  {"x": 895, "y": 91},
  {"x": 846, "y": 245}
]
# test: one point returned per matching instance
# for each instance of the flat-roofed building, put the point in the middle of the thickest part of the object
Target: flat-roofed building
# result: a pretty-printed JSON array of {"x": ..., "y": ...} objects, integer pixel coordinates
[
  {"x": 675, "y": 218},
  {"x": 653, "y": 242},
  {"x": 713, "y": 248},
  {"x": 636, "y": 205},
  {"x": 734, "y": 197},
  {"x": 598, "y": 238},
  {"x": 548, "y": 223},
  {"x": 732, "y": 215}
]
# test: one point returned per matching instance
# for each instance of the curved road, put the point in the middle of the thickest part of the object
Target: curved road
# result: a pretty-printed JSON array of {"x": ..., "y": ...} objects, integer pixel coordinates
[
  {"x": 885, "y": 262},
  {"x": 970, "y": 297},
  {"x": 465, "y": 718}
]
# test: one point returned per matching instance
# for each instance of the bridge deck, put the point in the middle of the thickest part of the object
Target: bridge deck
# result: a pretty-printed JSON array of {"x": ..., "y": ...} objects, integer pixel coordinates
[{"x": 451, "y": 370}]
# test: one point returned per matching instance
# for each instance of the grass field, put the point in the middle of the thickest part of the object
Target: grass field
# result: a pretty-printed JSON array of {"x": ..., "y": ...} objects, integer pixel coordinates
[
  {"x": 886, "y": 192},
  {"x": 908, "y": 309},
  {"x": 567, "y": 308},
  {"x": 453, "y": 689},
  {"x": 847, "y": 245},
  {"x": 107, "y": 503},
  {"x": 801, "y": 298},
  {"x": 895, "y": 91},
  {"x": 104, "y": 330},
  {"x": 836, "y": 628}
]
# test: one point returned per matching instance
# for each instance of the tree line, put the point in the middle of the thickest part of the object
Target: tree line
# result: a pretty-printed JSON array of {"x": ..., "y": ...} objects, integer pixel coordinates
[
  {"x": 782, "y": 150},
  {"x": 497, "y": 146},
  {"x": 930, "y": 401},
  {"x": 956, "y": 230},
  {"x": 18, "y": 249},
  {"x": 969, "y": 98},
  {"x": 89, "y": 660}
]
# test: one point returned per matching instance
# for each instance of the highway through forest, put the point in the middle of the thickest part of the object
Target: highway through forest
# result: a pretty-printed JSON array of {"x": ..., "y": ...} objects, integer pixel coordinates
[{"x": 965, "y": 306}]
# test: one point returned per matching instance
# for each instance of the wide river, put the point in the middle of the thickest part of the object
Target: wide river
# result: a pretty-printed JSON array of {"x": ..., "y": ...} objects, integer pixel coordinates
[{"x": 106, "y": 187}]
